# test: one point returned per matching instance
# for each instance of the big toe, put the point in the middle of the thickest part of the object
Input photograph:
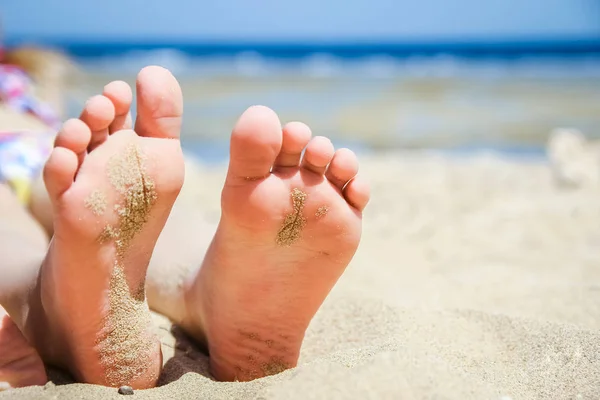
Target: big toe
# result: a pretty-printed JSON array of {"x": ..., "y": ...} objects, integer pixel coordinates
[
  {"x": 159, "y": 104},
  {"x": 255, "y": 143}
]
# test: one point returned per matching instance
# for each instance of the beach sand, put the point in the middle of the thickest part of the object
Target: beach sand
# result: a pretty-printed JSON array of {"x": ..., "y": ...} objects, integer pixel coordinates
[{"x": 478, "y": 277}]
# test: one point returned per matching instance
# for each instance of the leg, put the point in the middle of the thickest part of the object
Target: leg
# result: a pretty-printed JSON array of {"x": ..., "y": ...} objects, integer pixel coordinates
[
  {"x": 111, "y": 193},
  {"x": 40, "y": 207},
  {"x": 177, "y": 256},
  {"x": 22, "y": 244},
  {"x": 288, "y": 230},
  {"x": 20, "y": 364}
]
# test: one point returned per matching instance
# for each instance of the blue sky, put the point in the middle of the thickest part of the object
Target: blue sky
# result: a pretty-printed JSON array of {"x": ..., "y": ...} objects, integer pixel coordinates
[{"x": 306, "y": 20}]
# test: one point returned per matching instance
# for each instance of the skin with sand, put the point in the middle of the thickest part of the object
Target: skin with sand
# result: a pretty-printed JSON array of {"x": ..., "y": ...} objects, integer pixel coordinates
[
  {"x": 110, "y": 196},
  {"x": 294, "y": 222},
  {"x": 128, "y": 315},
  {"x": 291, "y": 220},
  {"x": 272, "y": 261}
]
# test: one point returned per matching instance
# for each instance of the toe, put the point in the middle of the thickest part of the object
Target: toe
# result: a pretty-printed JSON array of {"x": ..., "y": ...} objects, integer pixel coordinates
[
  {"x": 59, "y": 171},
  {"x": 255, "y": 143},
  {"x": 98, "y": 114},
  {"x": 159, "y": 104},
  {"x": 74, "y": 135},
  {"x": 343, "y": 167},
  {"x": 357, "y": 193},
  {"x": 296, "y": 136},
  {"x": 318, "y": 154},
  {"x": 119, "y": 93}
]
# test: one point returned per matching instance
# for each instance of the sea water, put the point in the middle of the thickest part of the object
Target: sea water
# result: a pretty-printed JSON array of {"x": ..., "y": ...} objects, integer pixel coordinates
[{"x": 375, "y": 102}]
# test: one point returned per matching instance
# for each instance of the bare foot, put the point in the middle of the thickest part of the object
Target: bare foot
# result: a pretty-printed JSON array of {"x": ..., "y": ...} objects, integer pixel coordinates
[
  {"x": 111, "y": 191},
  {"x": 20, "y": 364},
  {"x": 288, "y": 230}
]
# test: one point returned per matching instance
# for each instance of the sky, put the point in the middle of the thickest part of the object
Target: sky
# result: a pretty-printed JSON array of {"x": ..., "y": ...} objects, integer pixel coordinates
[{"x": 301, "y": 21}]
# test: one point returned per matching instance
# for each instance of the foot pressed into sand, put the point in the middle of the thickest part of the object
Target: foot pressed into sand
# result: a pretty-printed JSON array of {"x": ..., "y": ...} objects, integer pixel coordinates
[
  {"x": 289, "y": 227},
  {"x": 111, "y": 191}
]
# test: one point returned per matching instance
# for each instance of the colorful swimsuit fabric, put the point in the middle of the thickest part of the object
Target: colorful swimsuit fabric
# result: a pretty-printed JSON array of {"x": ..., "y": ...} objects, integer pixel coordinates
[{"x": 23, "y": 153}]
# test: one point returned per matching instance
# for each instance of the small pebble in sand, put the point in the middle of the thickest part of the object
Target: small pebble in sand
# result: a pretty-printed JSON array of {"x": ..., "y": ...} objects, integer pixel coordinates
[{"x": 126, "y": 390}]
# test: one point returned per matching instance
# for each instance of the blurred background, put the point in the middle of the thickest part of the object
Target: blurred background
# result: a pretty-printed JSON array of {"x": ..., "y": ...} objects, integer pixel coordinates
[{"x": 372, "y": 74}]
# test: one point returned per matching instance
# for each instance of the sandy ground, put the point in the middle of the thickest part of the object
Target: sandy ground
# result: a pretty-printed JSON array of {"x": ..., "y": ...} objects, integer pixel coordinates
[{"x": 477, "y": 278}]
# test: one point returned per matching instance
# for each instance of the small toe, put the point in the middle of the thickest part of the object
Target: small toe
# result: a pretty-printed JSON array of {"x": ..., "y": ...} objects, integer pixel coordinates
[
  {"x": 357, "y": 193},
  {"x": 255, "y": 143},
  {"x": 119, "y": 93},
  {"x": 74, "y": 135},
  {"x": 98, "y": 114},
  {"x": 159, "y": 104},
  {"x": 59, "y": 171},
  {"x": 296, "y": 136},
  {"x": 343, "y": 167},
  {"x": 318, "y": 155}
]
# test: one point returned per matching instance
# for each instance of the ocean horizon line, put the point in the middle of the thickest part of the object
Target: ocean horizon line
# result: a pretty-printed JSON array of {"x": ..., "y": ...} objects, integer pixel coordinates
[{"x": 346, "y": 49}]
